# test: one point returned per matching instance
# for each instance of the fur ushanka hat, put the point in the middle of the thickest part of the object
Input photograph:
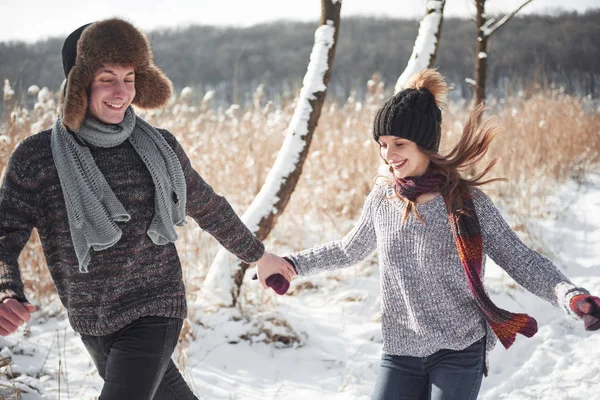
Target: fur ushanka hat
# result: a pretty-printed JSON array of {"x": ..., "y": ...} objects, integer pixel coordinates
[{"x": 109, "y": 42}]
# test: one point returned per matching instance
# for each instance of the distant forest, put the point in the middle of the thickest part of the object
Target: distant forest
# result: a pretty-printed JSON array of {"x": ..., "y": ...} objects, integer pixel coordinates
[{"x": 561, "y": 49}]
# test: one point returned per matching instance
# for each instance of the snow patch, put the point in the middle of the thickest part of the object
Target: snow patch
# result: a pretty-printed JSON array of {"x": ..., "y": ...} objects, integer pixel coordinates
[{"x": 336, "y": 316}]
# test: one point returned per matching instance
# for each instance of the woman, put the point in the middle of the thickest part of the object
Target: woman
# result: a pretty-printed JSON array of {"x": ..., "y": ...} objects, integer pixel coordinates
[
  {"x": 432, "y": 228},
  {"x": 104, "y": 190}
]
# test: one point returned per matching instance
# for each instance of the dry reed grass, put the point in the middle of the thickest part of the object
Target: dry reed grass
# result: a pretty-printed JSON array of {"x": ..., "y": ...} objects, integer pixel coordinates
[{"x": 547, "y": 137}]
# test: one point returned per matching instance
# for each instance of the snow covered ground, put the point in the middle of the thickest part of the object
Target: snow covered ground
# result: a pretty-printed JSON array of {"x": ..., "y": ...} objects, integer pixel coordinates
[{"x": 336, "y": 317}]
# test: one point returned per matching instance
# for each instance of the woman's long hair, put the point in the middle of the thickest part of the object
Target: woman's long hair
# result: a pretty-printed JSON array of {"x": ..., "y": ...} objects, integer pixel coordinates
[{"x": 464, "y": 156}]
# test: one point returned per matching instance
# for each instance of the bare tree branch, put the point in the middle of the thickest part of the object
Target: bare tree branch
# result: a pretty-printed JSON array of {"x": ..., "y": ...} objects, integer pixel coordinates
[{"x": 490, "y": 29}]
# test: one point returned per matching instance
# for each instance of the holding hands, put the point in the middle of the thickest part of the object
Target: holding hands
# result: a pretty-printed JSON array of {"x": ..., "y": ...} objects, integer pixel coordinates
[{"x": 274, "y": 272}]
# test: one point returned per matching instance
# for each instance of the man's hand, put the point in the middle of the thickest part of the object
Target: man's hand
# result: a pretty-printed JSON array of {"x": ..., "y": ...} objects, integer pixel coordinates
[
  {"x": 269, "y": 266},
  {"x": 13, "y": 314}
]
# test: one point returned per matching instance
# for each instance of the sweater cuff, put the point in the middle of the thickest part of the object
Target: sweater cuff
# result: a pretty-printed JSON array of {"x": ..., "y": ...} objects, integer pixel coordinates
[
  {"x": 253, "y": 252},
  {"x": 292, "y": 260},
  {"x": 289, "y": 260},
  {"x": 565, "y": 293},
  {"x": 13, "y": 294}
]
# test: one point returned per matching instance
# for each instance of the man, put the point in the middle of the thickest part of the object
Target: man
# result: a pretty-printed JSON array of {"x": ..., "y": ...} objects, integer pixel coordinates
[{"x": 104, "y": 190}]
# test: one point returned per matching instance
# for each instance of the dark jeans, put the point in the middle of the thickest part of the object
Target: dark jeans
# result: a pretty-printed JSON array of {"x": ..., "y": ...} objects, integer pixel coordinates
[
  {"x": 135, "y": 362},
  {"x": 444, "y": 375}
]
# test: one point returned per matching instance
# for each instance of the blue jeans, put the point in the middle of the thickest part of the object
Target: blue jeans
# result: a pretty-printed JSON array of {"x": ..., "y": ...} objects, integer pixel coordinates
[
  {"x": 444, "y": 375},
  {"x": 135, "y": 362}
]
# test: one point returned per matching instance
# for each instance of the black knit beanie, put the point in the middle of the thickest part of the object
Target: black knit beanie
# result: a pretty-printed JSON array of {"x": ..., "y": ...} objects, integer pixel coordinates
[{"x": 411, "y": 114}]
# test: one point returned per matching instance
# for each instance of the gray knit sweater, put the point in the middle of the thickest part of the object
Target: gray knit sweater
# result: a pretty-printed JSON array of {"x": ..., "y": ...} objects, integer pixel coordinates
[
  {"x": 131, "y": 279},
  {"x": 426, "y": 302}
]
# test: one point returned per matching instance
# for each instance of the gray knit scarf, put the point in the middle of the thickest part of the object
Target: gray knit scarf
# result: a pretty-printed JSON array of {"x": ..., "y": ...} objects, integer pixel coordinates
[{"x": 92, "y": 207}]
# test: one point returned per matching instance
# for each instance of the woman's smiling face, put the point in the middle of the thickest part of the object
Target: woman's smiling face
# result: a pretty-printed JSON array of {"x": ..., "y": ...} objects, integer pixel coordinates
[{"x": 403, "y": 155}]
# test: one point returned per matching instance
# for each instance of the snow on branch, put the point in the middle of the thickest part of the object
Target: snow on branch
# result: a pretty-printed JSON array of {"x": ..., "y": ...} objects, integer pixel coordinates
[
  {"x": 425, "y": 44},
  {"x": 492, "y": 26},
  {"x": 294, "y": 143}
]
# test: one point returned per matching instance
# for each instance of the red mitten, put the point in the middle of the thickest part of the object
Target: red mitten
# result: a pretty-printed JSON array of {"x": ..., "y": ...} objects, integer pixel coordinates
[
  {"x": 277, "y": 282},
  {"x": 587, "y": 307}
]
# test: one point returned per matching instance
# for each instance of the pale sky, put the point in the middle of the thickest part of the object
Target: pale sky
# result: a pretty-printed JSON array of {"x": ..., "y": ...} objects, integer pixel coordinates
[{"x": 32, "y": 20}]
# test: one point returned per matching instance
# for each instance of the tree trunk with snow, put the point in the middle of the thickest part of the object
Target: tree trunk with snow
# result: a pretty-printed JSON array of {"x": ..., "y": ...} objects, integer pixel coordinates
[
  {"x": 426, "y": 44},
  {"x": 485, "y": 28},
  {"x": 226, "y": 272}
]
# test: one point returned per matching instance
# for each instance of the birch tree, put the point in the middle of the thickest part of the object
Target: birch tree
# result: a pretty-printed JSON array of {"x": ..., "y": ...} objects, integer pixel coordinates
[
  {"x": 426, "y": 44},
  {"x": 486, "y": 28},
  {"x": 226, "y": 273}
]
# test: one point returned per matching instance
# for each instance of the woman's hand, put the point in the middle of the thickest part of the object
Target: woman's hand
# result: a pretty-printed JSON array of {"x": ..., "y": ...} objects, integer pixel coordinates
[
  {"x": 273, "y": 271},
  {"x": 588, "y": 308}
]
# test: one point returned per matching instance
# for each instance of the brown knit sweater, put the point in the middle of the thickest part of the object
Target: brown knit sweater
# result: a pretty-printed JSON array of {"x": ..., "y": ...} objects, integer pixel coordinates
[{"x": 135, "y": 277}]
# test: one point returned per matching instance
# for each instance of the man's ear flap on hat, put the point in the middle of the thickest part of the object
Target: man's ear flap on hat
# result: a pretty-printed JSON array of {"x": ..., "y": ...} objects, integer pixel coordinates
[
  {"x": 75, "y": 104},
  {"x": 152, "y": 88}
]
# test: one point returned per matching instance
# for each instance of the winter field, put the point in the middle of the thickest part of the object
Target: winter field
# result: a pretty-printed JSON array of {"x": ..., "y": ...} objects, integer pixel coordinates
[{"x": 323, "y": 339}]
